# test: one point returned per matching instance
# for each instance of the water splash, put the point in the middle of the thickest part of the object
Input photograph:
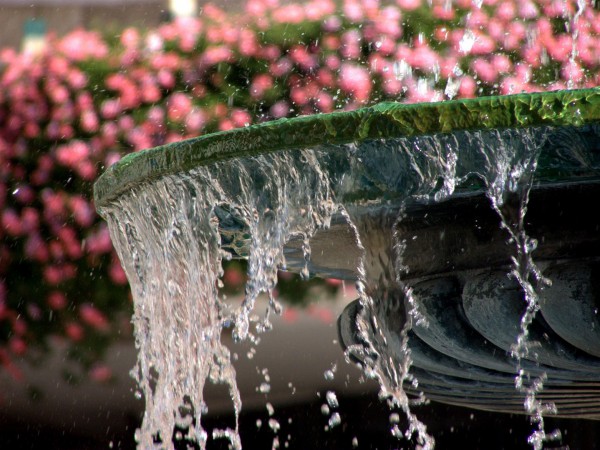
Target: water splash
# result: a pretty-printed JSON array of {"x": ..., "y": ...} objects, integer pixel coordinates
[
  {"x": 172, "y": 235},
  {"x": 581, "y": 7},
  {"x": 508, "y": 191},
  {"x": 168, "y": 237}
]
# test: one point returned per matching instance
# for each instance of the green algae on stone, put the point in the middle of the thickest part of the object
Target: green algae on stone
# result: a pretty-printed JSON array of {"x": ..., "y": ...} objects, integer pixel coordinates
[{"x": 382, "y": 121}]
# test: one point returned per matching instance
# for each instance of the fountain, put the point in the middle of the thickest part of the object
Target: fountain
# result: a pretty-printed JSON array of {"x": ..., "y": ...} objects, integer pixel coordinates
[{"x": 465, "y": 225}]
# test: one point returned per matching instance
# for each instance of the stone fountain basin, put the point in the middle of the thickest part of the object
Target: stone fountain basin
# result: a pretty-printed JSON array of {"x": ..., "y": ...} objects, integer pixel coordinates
[{"x": 456, "y": 253}]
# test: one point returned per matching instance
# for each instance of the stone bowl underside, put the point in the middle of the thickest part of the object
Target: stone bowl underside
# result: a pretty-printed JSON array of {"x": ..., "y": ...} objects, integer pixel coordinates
[{"x": 457, "y": 253}]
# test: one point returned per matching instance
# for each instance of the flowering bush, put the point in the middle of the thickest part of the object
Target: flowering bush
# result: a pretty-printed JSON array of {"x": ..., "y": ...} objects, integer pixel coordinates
[{"x": 75, "y": 109}]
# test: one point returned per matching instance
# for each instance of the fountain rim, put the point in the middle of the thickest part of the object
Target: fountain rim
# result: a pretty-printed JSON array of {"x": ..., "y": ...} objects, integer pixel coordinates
[{"x": 381, "y": 121}]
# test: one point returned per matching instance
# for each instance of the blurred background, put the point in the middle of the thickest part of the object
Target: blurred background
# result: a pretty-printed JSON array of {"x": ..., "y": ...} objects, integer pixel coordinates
[{"x": 84, "y": 82}]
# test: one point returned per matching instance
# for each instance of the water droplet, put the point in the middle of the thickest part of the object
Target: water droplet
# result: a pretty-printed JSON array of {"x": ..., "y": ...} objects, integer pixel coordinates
[
  {"x": 274, "y": 425},
  {"x": 466, "y": 42},
  {"x": 264, "y": 388},
  {"x": 325, "y": 409},
  {"x": 270, "y": 409},
  {"x": 332, "y": 400},
  {"x": 335, "y": 420},
  {"x": 452, "y": 87}
]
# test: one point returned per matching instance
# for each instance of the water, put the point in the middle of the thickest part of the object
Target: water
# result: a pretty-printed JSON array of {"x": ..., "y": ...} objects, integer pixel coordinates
[{"x": 173, "y": 233}]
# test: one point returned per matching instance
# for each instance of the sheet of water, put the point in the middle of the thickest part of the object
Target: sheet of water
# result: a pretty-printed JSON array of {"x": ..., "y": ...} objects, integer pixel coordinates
[{"x": 167, "y": 235}]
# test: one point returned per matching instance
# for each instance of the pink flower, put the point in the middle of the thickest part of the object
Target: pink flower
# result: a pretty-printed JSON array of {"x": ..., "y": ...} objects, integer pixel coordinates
[
  {"x": 300, "y": 56},
  {"x": 351, "y": 44},
  {"x": 80, "y": 45},
  {"x": 325, "y": 102},
  {"x": 110, "y": 109},
  {"x": 83, "y": 213},
  {"x": 292, "y": 13},
  {"x": 130, "y": 37},
  {"x": 332, "y": 24},
  {"x": 24, "y": 194},
  {"x": 57, "y": 300},
  {"x": 165, "y": 78},
  {"x": 248, "y": 45},
  {"x": 111, "y": 158},
  {"x": 260, "y": 84},
  {"x": 216, "y": 55},
  {"x": 226, "y": 125},
  {"x": 389, "y": 23},
  {"x": 99, "y": 243},
  {"x": 528, "y": 10},
  {"x": 280, "y": 109},
  {"x": 89, "y": 121},
  {"x": 443, "y": 12},
  {"x": 195, "y": 120},
  {"x": 353, "y": 11},
  {"x": 484, "y": 70},
  {"x": 408, "y": 5},
  {"x": 290, "y": 314},
  {"x": 355, "y": 80},
  {"x": 572, "y": 71},
  {"x": 100, "y": 373},
  {"x": 326, "y": 78},
  {"x": 255, "y": 8},
  {"x": 502, "y": 63},
  {"x": 179, "y": 106},
  {"x": 116, "y": 272},
  {"x": 424, "y": 58},
  {"x": 281, "y": 67},
  {"x": 318, "y": 9},
  {"x": 240, "y": 118},
  {"x": 505, "y": 11},
  {"x": 561, "y": 48},
  {"x": 483, "y": 45},
  {"x": 92, "y": 316},
  {"x": 36, "y": 249},
  {"x": 53, "y": 275},
  {"x": 467, "y": 87},
  {"x": 298, "y": 96},
  {"x": 17, "y": 346},
  {"x": 30, "y": 220},
  {"x": 74, "y": 331},
  {"x": 72, "y": 154},
  {"x": 76, "y": 79},
  {"x": 11, "y": 223},
  {"x": 58, "y": 93},
  {"x": 324, "y": 315},
  {"x": 392, "y": 86},
  {"x": 511, "y": 85}
]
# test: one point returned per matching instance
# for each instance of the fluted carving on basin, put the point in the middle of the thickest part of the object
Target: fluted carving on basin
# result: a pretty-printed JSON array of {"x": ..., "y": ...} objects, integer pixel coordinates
[{"x": 463, "y": 355}]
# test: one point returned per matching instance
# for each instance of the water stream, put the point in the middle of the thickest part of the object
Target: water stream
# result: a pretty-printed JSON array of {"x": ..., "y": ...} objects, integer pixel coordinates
[{"x": 173, "y": 233}]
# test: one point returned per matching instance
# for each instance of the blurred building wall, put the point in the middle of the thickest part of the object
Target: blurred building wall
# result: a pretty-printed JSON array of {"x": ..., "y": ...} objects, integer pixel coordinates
[{"x": 61, "y": 16}]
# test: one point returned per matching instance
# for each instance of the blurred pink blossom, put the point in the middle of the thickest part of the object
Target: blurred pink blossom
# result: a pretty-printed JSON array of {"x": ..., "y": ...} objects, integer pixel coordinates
[
  {"x": 409, "y": 5},
  {"x": 93, "y": 317},
  {"x": 353, "y": 11},
  {"x": 100, "y": 373},
  {"x": 260, "y": 84},
  {"x": 355, "y": 80},
  {"x": 179, "y": 106},
  {"x": 57, "y": 300},
  {"x": 292, "y": 13}
]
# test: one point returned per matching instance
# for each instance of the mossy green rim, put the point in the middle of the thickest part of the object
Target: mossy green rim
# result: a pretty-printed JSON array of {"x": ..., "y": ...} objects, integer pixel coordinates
[{"x": 385, "y": 120}]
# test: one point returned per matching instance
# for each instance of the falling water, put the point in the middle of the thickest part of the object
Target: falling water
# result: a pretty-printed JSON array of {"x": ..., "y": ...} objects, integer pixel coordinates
[{"x": 173, "y": 233}]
